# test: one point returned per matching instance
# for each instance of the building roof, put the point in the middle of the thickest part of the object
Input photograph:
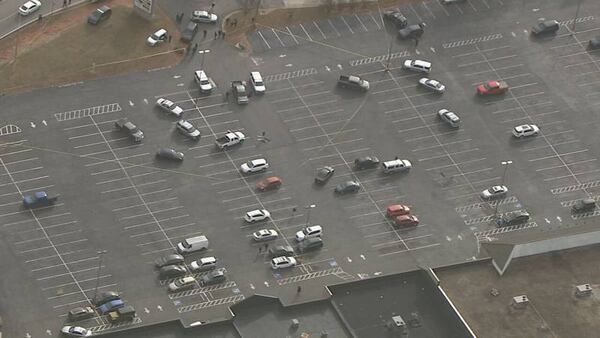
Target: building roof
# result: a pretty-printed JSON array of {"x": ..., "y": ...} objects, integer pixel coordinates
[{"x": 548, "y": 280}]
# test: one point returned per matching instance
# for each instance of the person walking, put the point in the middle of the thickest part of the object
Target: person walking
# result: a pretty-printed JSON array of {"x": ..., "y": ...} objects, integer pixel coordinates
[
  {"x": 205, "y": 33},
  {"x": 299, "y": 289},
  {"x": 195, "y": 48},
  {"x": 170, "y": 37}
]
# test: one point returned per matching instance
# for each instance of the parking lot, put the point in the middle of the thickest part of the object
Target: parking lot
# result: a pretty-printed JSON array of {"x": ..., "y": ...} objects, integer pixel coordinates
[{"x": 120, "y": 207}]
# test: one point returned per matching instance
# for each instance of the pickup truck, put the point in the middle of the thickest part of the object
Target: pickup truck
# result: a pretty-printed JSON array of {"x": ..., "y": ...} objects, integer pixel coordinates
[
  {"x": 125, "y": 125},
  {"x": 39, "y": 199},
  {"x": 229, "y": 139},
  {"x": 239, "y": 91},
  {"x": 353, "y": 81}
]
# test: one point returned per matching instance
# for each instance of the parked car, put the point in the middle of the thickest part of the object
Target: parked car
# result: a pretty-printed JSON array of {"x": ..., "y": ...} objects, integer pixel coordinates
[
  {"x": 397, "y": 210},
  {"x": 366, "y": 162},
  {"x": 514, "y": 217},
  {"x": 584, "y": 205},
  {"x": 206, "y": 84},
  {"x": 29, "y": 7},
  {"x": 269, "y": 183},
  {"x": 169, "y": 106},
  {"x": 417, "y": 65},
  {"x": 189, "y": 32},
  {"x": 135, "y": 133},
  {"x": 258, "y": 85},
  {"x": 183, "y": 283},
  {"x": 171, "y": 259},
  {"x": 257, "y": 215},
  {"x": 99, "y": 15},
  {"x": 265, "y": 235},
  {"x": 309, "y": 244},
  {"x": 324, "y": 174},
  {"x": 525, "y": 130},
  {"x": 394, "y": 16},
  {"x": 281, "y": 250},
  {"x": 204, "y": 17},
  {"x": 411, "y": 32},
  {"x": 188, "y": 129},
  {"x": 310, "y": 231},
  {"x": 105, "y": 297},
  {"x": 214, "y": 277},
  {"x": 255, "y": 165},
  {"x": 353, "y": 82},
  {"x": 203, "y": 264},
  {"x": 406, "y": 221},
  {"x": 432, "y": 84},
  {"x": 80, "y": 313},
  {"x": 496, "y": 191},
  {"x": 594, "y": 43},
  {"x": 110, "y": 306},
  {"x": 545, "y": 27},
  {"x": 157, "y": 37},
  {"x": 449, "y": 117},
  {"x": 172, "y": 271},
  {"x": 283, "y": 262},
  {"x": 492, "y": 88},
  {"x": 347, "y": 187},
  {"x": 170, "y": 154},
  {"x": 75, "y": 331}
]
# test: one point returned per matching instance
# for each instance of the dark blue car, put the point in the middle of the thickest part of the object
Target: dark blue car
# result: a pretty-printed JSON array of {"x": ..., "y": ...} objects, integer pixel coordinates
[{"x": 110, "y": 306}]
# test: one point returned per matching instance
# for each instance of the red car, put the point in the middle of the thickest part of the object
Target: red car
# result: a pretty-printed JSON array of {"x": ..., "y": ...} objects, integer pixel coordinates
[
  {"x": 269, "y": 183},
  {"x": 492, "y": 88},
  {"x": 397, "y": 210},
  {"x": 407, "y": 221}
]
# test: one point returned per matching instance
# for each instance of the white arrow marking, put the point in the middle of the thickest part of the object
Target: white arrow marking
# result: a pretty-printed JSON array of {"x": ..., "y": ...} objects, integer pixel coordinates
[
  {"x": 547, "y": 220},
  {"x": 417, "y": 51},
  {"x": 146, "y": 310},
  {"x": 27, "y": 335},
  {"x": 146, "y": 101},
  {"x": 49, "y": 332},
  {"x": 448, "y": 238},
  {"x": 432, "y": 49},
  {"x": 349, "y": 259},
  {"x": 559, "y": 218},
  {"x": 282, "y": 55},
  {"x": 363, "y": 257},
  {"x": 460, "y": 237},
  {"x": 266, "y": 284},
  {"x": 289, "y": 65},
  {"x": 32, "y": 125},
  {"x": 535, "y": 9},
  {"x": 44, "y": 122},
  {"x": 327, "y": 69},
  {"x": 131, "y": 103},
  {"x": 176, "y": 76},
  {"x": 377, "y": 273},
  {"x": 252, "y": 286},
  {"x": 513, "y": 34},
  {"x": 339, "y": 66},
  {"x": 180, "y": 84},
  {"x": 159, "y": 307}
]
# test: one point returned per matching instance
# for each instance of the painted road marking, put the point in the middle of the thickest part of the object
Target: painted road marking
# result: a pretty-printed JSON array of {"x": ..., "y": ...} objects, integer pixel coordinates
[{"x": 80, "y": 113}]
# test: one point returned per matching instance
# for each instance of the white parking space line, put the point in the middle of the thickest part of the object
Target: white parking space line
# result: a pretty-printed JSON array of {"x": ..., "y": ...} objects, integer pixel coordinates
[
  {"x": 309, "y": 117},
  {"x": 263, "y": 38},
  {"x": 305, "y": 32},
  {"x": 319, "y": 28},
  {"x": 16, "y": 152},
  {"x": 315, "y": 126},
  {"x": 361, "y": 23},
  {"x": 442, "y": 144},
  {"x": 489, "y": 70},
  {"x": 416, "y": 106},
  {"x": 562, "y": 165},
  {"x": 420, "y": 138},
  {"x": 524, "y": 85},
  {"x": 141, "y": 204},
  {"x": 479, "y": 51},
  {"x": 44, "y": 238},
  {"x": 567, "y": 176},
  {"x": 333, "y": 144},
  {"x": 375, "y": 21},
  {"x": 546, "y": 146},
  {"x": 556, "y": 155},
  {"x": 304, "y": 107},
  {"x": 560, "y": 132},
  {"x": 348, "y": 26},
  {"x": 292, "y": 34},
  {"x": 505, "y": 78},
  {"x": 20, "y": 161},
  {"x": 458, "y": 163},
  {"x": 447, "y": 154},
  {"x": 484, "y": 61},
  {"x": 419, "y": 19},
  {"x": 325, "y": 135},
  {"x": 160, "y": 220},
  {"x": 278, "y": 38},
  {"x": 333, "y": 27}
]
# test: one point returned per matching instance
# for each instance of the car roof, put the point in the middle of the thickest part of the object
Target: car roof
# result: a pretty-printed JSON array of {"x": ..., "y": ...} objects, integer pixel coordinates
[
  {"x": 256, "y": 75},
  {"x": 185, "y": 123},
  {"x": 259, "y": 161},
  {"x": 161, "y": 31},
  {"x": 314, "y": 227}
]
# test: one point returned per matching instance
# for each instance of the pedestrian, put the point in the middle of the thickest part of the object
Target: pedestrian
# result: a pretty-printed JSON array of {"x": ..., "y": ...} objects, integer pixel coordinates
[
  {"x": 266, "y": 246},
  {"x": 396, "y": 158},
  {"x": 226, "y": 21},
  {"x": 259, "y": 249},
  {"x": 294, "y": 209},
  {"x": 223, "y": 35},
  {"x": 253, "y": 19},
  {"x": 220, "y": 32},
  {"x": 235, "y": 23},
  {"x": 40, "y": 18},
  {"x": 298, "y": 289},
  {"x": 170, "y": 38},
  {"x": 216, "y": 35},
  {"x": 69, "y": 2},
  {"x": 205, "y": 33},
  {"x": 64, "y": 3},
  {"x": 442, "y": 174},
  {"x": 416, "y": 42},
  {"x": 212, "y": 5},
  {"x": 195, "y": 47},
  {"x": 227, "y": 95}
]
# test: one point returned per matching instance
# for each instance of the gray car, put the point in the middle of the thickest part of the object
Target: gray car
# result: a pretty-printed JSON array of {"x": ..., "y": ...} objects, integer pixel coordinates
[
  {"x": 347, "y": 187},
  {"x": 310, "y": 243},
  {"x": 189, "y": 32},
  {"x": 169, "y": 154},
  {"x": 584, "y": 205},
  {"x": 214, "y": 277},
  {"x": 545, "y": 27},
  {"x": 168, "y": 260},
  {"x": 324, "y": 174},
  {"x": 172, "y": 271},
  {"x": 514, "y": 218},
  {"x": 410, "y": 32}
]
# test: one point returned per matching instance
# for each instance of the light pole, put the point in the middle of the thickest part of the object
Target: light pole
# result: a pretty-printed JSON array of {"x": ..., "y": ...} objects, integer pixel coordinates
[
  {"x": 101, "y": 255},
  {"x": 203, "y": 52},
  {"x": 576, "y": 16},
  {"x": 505, "y": 164},
  {"x": 309, "y": 207}
]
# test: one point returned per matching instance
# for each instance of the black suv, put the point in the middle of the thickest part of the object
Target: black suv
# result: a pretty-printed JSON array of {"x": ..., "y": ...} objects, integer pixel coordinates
[
  {"x": 545, "y": 27},
  {"x": 136, "y": 134},
  {"x": 281, "y": 250},
  {"x": 513, "y": 218},
  {"x": 311, "y": 243},
  {"x": 411, "y": 32},
  {"x": 584, "y": 205},
  {"x": 189, "y": 32},
  {"x": 394, "y": 16},
  {"x": 366, "y": 162},
  {"x": 99, "y": 15}
]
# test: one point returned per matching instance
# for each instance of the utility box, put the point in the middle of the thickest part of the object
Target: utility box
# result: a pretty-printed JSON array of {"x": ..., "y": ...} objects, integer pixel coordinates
[
  {"x": 520, "y": 302},
  {"x": 583, "y": 290},
  {"x": 295, "y": 323},
  {"x": 399, "y": 321}
]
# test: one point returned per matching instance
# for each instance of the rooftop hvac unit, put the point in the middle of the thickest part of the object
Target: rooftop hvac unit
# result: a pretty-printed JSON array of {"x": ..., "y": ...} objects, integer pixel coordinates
[
  {"x": 520, "y": 302},
  {"x": 399, "y": 321},
  {"x": 583, "y": 290}
]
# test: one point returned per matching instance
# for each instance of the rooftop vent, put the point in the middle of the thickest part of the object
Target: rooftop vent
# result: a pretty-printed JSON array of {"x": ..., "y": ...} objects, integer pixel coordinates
[
  {"x": 583, "y": 290},
  {"x": 520, "y": 302}
]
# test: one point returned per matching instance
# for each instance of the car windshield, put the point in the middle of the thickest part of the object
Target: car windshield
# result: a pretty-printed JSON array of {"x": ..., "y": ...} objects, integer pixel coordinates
[
  {"x": 186, "y": 245},
  {"x": 490, "y": 85},
  {"x": 204, "y": 82},
  {"x": 155, "y": 37}
]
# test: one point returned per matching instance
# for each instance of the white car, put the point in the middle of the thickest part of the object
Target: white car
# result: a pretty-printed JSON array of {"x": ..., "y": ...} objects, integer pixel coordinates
[
  {"x": 158, "y": 37},
  {"x": 283, "y": 262},
  {"x": 494, "y": 192},
  {"x": 417, "y": 65},
  {"x": 432, "y": 84},
  {"x": 204, "y": 16},
  {"x": 311, "y": 231},
  {"x": 188, "y": 129},
  {"x": 254, "y": 166},
  {"x": 75, "y": 331},
  {"x": 265, "y": 235},
  {"x": 29, "y": 7},
  {"x": 205, "y": 83},
  {"x": 182, "y": 283},
  {"x": 257, "y": 83},
  {"x": 257, "y": 215},
  {"x": 525, "y": 130},
  {"x": 203, "y": 264},
  {"x": 169, "y": 106},
  {"x": 449, "y": 117}
]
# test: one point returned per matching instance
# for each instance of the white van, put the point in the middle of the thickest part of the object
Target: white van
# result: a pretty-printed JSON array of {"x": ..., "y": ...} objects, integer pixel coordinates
[
  {"x": 206, "y": 85},
  {"x": 192, "y": 244},
  {"x": 417, "y": 65},
  {"x": 396, "y": 166},
  {"x": 257, "y": 83}
]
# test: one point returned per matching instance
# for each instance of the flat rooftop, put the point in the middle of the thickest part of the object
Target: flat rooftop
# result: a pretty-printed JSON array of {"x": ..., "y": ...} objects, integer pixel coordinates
[{"x": 548, "y": 280}]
